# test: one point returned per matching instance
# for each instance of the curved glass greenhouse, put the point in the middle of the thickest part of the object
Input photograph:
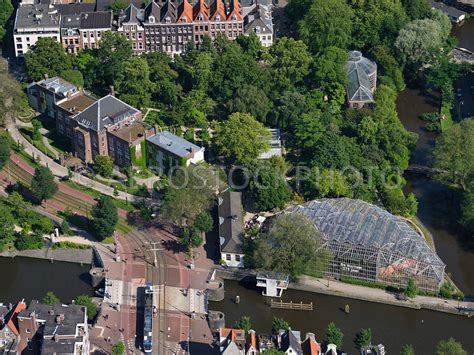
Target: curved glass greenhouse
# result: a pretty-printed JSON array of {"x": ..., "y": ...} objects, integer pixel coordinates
[{"x": 368, "y": 243}]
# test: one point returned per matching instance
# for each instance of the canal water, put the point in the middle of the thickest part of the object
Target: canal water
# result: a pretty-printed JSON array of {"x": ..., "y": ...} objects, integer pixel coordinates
[
  {"x": 393, "y": 326},
  {"x": 30, "y": 278}
]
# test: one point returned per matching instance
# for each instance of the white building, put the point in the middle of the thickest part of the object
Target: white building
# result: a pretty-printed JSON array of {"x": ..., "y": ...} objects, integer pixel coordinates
[
  {"x": 273, "y": 282},
  {"x": 34, "y": 21},
  {"x": 230, "y": 228},
  {"x": 259, "y": 20}
]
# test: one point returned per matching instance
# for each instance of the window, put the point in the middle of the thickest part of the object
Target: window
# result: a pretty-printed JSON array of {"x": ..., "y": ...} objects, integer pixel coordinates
[
  {"x": 168, "y": 19},
  {"x": 151, "y": 19},
  {"x": 18, "y": 39},
  {"x": 27, "y": 39},
  {"x": 228, "y": 257},
  {"x": 98, "y": 34},
  {"x": 92, "y": 34},
  {"x": 85, "y": 34},
  {"x": 139, "y": 35},
  {"x": 237, "y": 257},
  {"x": 19, "y": 46},
  {"x": 28, "y": 330},
  {"x": 183, "y": 19}
]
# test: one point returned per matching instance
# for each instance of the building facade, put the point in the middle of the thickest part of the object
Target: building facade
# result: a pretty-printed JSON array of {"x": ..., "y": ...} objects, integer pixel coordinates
[
  {"x": 166, "y": 150},
  {"x": 92, "y": 26},
  {"x": 32, "y": 22},
  {"x": 70, "y": 36},
  {"x": 259, "y": 20},
  {"x": 130, "y": 25}
]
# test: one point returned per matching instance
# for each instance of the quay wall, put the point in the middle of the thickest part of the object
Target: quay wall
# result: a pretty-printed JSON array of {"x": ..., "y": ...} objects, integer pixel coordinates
[{"x": 77, "y": 256}]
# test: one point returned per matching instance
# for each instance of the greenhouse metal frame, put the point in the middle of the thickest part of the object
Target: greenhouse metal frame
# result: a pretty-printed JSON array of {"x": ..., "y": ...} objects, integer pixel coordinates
[{"x": 369, "y": 244}]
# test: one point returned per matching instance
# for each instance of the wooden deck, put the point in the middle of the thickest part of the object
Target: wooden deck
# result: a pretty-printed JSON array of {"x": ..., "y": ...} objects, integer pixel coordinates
[{"x": 292, "y": 305}]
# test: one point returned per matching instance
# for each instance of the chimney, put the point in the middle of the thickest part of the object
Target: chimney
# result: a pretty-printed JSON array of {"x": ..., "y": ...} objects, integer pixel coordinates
[
  {"x": 46, "y": 76},
  {"x": 112, "y": 90}
]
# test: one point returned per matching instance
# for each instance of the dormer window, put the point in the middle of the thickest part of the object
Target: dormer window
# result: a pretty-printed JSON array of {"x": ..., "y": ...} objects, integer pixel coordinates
[
  {"x": 218, "y": 18},
  {"x": 257, "y": 29},
  {"x": 234, "y": 18},
  {"x": 200, "y": 17},
  {"x": 183, "y": 19},
  {"x": 168, "y": 20},
  {"x": 151, "y": 19}
]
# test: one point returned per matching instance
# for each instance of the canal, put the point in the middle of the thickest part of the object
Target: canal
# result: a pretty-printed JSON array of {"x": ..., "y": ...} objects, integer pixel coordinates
[
  {"x": 30, "y": 278},
  {"x": 393, "y": 326}
]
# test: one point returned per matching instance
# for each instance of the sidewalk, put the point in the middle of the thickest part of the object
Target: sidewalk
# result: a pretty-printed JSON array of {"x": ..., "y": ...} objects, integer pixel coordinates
[
  {"x": 341, "y": 289},
  {"x": 59, "y": 170}
]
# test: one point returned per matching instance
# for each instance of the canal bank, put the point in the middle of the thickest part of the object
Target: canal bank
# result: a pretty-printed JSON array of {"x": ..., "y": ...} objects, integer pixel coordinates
[{"x": 73, "y": 255}]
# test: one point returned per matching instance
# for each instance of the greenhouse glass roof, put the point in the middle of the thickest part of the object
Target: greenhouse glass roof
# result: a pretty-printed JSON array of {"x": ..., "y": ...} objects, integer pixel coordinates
[
  {"x": 359, "y": 69},
  {"x": 360, "y": 223}
]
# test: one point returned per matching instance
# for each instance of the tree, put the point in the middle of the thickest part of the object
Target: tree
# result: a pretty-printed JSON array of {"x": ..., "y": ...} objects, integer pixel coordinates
[
  {"x": 4, "y": 151},
  {"x": 73, "y": 76},
  {"x": 6, "y": 10},
  {"x": 273, "y": 351},
  {"x": 450, "y": 347},
  {"x": 328, "y": 183},
  {"x": 50, "y": 298},
  {"x": 114, "y": 52},
  {"x": 117, "y": 6},
  {"x": 411, "y": 290},
  {"x": 105, "y": 217},
  {"x": 191, "y": 238},
  {"x": 252, "y": 100},
  {"x": 334, "y": 335},
  {"x": 190, "y": 193},
  {"x": 363, "y": 339},
  {"x": 65, "y": 228},
  {"x": 104, "y": 165},
  {"x": 329, "y": 69},
  {"x": 268, "y": 186},
  {"x": 279, "y": 324},
  {"x": 420, "y": 42},
  {"x": 7, "y": 224},
  {"x": 118, "y": 348},
  {"x": 241, "y": 138},
  {"x": 43, "y": 184},
  {"x": 290, "y": 61},
  {"x": 47, "y": 56},
  {"x": 407, "y": 349},
  {"x": 36, "y": 129},
  {"x": 467, "y": 207},
  {"x": 454, "y": 155},
  {"x": 243, "y": 323},
  {"x": 292, "y": 246},
  {"x": 416, "y": 9},
  {"x": 326, "y": 23},
  {"x": 86, "y": 301},
  {"x": 164, "y": 77},
  {"x": 134, "y": 85},
  {"x": 204, "y": 222}
]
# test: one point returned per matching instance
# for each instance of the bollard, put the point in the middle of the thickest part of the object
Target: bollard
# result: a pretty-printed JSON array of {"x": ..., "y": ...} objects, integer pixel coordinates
[
  {"x": 347, "y": 309},
  {"x": 237, "y": 299}
]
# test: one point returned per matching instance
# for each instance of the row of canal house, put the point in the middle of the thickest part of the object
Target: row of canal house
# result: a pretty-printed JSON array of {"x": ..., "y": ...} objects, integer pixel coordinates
[
  {"x": 43, "y": 329},
  {"x": 165, "y": 26},
  {"x": 289, "y": 342},
  {"x": 108, "y": 126}
]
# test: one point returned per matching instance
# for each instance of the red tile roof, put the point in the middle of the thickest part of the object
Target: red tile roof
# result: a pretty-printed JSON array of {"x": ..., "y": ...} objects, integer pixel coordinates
[
  {"x": 310, "y": 347},
  {"x": 12, "y": 319},
  {"x": 235, "y": 10},
  {"x": 201, "y": 8},
  {"x": 218, "y": 8}
]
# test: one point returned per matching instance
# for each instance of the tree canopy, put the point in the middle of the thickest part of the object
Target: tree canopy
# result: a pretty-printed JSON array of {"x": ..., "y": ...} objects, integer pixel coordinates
[
  {"x": 47, "y": 56},
  {"x": 105, "y": 217},
  {"x": 103, "y": 165},
  {"x": 363, "y": 339},
  {"x": 87, "y": 301},
  {"x": 334, "y": 335},
  {"x": 291, "y": 246},
  {"x": 450, "y": 347},
  {"x": 50, "y": 298},
  {"x": 43, "y": 184}
]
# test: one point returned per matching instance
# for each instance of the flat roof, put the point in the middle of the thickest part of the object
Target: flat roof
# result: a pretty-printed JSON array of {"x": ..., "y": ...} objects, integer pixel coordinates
[
  {"x": 37, "y": 16},
  {"x": 175, "y": 145},
  {"x": 132, "y": 132},
  {"x": 98, "y": 19},
  {"x": 77, "y": 103}
]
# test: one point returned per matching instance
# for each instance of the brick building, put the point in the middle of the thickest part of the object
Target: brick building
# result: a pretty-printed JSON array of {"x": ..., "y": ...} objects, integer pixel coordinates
[
  {"x": 130, "y": 25},
  {"x": 91, "y": 27}
]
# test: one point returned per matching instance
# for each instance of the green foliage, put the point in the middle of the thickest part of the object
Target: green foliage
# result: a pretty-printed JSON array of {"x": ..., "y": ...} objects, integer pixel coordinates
[
  {"x": 117, "y": 6},
  {"x": 27, "y": 241},
  {"x": 243, "y": 323},
  {"x": 118, "y": 348},
  {"x": 241, "y": 138},
  {"x": 252, "y": 100},
  {"x": 416, "y": 9},
  {"x": 6, "y": 10},
  {"x": 397, "y": 203},
  {"x": 43, "y": 184},
  {"x": 103, "y": 166},
  {"x": 50, "y": 298},
  {"x": 326, "y": 23},
  {"x": 4, "y": 151},
  {"x": 292, "y": 246},
  {"x": 105, "y": 217},
  {"x": 278, "y": 324},
  {"x": 65, "y": 228},
  {"x": 273, "y": 351},
  {"x": 85, "y": 300},
  {"x": 36, "y": 129},
  {"x": 204, "y": 222},
  {"x": 467, "y": 207},
  {"x": 7, "y": 223},
  {"x": 454, "y": 155},
  {"x": 329, "y": 69},
  {"x": 363, "y": 339},
  {"x": 334, "y": 335},
  {"x": 268, "y": 186},
  {"x": 407, "y": 349},
  {"x": 448, "y": 291},
  {"x": 134, "y": 84},
  {"x": 411, "y": 290},
  {"x": 47, "y": 56},
  {"x": 328, "y": 183},
  {"x": 450, "y": 347},
  {"x": 73, "y": 76},
  {"x": 191, "y": 238}
]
